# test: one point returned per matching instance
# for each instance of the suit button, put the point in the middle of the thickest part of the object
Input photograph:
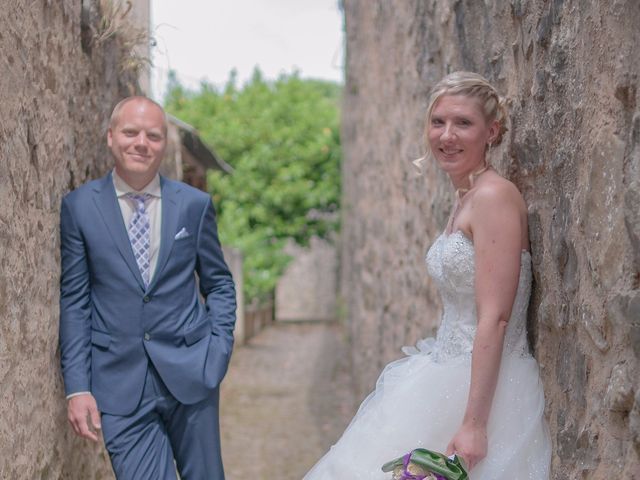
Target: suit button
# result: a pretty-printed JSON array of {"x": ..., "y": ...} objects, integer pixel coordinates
[
  {"x": 146, "y": 299},
  {"x": 147, "y": 337}
]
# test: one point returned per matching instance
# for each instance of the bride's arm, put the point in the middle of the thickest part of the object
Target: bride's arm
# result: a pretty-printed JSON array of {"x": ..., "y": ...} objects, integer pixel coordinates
[{"x": 497, "y": 239}]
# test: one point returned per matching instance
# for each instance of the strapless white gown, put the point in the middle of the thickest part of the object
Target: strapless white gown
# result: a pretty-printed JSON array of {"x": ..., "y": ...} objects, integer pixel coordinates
[{"x": 419, "y": 400}]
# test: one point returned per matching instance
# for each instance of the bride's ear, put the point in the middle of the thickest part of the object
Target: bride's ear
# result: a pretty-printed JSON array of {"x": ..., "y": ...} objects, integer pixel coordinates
[{"x": 494, "y": 131}]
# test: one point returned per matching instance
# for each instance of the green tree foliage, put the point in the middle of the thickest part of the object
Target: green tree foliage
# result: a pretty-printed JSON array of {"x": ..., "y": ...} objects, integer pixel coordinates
[{"x": 282, "y": 139}]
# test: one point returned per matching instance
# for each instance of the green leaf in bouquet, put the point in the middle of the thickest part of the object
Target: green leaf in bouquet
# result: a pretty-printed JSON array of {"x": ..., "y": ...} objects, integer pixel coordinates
[{"x": 434, "y": 462}]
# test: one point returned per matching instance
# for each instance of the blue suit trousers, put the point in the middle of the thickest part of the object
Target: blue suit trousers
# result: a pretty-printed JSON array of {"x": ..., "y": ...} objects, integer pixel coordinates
[{"x": 143, "y": 445}]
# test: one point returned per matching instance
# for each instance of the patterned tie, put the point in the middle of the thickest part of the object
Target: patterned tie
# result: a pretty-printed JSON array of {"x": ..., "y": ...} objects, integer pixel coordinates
[{"x": 140, "y": 234}]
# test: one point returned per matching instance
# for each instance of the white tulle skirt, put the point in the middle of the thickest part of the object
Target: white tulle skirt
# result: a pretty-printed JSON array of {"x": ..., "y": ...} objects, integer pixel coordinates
[{"x": 420, "y": 403}]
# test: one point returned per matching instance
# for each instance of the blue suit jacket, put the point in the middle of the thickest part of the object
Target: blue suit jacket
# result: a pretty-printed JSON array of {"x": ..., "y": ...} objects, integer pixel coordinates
[{"x": 111, "y": 326}]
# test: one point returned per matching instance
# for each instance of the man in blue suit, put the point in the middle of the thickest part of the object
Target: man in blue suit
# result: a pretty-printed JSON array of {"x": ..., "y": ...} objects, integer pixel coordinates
[{"x": 147, "y": 309}]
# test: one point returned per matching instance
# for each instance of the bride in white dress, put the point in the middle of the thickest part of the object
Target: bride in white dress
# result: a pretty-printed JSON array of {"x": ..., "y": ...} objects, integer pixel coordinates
[{"x": 474, "y": 389}]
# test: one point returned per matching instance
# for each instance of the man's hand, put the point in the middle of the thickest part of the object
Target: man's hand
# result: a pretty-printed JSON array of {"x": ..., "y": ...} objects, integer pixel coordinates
[{"x": 82, "y": 412}]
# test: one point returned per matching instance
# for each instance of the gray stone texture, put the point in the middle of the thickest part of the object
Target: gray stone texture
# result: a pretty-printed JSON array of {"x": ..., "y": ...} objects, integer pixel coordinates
[
  {"x": 57, "y": 89},
  {"x": 307, "y": 290},
  {"x": 570, "y": 70},
  {"x": 233, "y": 257}
]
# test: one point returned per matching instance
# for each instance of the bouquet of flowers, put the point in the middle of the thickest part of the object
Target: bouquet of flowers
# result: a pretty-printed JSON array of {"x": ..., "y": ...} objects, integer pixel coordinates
[{"x": 423, "y": 464}]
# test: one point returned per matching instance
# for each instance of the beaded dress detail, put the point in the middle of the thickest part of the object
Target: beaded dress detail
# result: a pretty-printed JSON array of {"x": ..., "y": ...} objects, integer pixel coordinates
[
  {"x": 419, "y": 400},
  {"x": 450, "y": 262}
]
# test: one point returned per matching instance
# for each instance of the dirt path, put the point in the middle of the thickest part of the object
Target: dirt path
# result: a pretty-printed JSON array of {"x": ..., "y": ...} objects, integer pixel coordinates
[{"x": 286, "y": 399}]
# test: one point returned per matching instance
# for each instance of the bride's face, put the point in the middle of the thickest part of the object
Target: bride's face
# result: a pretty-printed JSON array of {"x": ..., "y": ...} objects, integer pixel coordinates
[{"x": 458, "y": 134}]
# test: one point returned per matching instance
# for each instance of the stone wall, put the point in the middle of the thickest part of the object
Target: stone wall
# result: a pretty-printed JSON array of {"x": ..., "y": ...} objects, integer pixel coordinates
[
  {"x": 570, "y": 70},
  {"x": 307, "y": 291},
  {"x": 233, "y": 257},
  {"x": 61, "y": 75}
]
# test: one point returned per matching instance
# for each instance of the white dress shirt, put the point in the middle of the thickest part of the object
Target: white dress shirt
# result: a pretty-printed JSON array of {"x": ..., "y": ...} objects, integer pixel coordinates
[{"x": 154, "y": 210}]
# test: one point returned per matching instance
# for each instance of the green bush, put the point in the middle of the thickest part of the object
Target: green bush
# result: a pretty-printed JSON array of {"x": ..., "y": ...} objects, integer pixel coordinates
[{"x": 282, "y": 139}]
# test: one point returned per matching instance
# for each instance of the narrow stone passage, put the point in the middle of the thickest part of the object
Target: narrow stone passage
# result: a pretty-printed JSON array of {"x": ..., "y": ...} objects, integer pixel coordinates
[{"x": 286, "y": 399}]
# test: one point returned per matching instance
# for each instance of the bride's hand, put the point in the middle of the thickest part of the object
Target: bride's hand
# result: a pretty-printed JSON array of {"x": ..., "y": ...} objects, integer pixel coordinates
[{"x": 469, "y": 443}]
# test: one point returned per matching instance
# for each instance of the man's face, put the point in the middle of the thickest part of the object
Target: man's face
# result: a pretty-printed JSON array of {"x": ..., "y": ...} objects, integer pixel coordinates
[{"x": 137, "y": 140}]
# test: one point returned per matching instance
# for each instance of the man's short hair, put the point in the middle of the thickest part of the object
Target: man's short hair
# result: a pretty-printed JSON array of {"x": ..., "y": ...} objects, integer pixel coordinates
[{"x": 116, "y": 110}]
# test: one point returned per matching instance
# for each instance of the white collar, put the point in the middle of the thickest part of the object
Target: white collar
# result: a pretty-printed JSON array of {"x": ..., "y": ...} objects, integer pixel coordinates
[{"x": 122, "y": 187}]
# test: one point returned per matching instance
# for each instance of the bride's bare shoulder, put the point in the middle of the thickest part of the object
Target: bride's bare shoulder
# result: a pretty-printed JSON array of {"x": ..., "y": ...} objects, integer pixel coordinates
[{"x": 496, "y": 191}]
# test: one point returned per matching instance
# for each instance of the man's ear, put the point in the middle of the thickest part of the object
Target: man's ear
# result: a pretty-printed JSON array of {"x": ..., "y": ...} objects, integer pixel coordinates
[{"x": 109, "y": 137}]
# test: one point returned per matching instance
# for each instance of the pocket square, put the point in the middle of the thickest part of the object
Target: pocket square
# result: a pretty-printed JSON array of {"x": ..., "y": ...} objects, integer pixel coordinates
[{"x": 182, "y": 234}]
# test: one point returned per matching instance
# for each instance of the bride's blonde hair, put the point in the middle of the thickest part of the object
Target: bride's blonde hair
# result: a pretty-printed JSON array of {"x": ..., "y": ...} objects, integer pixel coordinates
[{"x": 471, "y": 85}]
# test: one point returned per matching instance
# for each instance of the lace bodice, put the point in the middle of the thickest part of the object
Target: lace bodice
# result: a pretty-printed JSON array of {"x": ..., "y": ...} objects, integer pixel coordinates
[{"x": 450, "y": 262}]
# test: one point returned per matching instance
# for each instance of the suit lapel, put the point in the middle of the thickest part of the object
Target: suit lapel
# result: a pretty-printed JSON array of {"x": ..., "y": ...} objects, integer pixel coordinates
[
  {"x": 107, "y": 203},
  {"x": 171, "y": 201}
]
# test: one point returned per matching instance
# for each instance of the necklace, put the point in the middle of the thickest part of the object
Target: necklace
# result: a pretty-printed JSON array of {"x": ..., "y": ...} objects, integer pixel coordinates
[{"x": 461, "y": 193}]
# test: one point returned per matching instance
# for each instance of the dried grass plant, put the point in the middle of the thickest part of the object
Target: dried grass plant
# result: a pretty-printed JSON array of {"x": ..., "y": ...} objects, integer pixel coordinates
[{"x": 132, "y": 40}]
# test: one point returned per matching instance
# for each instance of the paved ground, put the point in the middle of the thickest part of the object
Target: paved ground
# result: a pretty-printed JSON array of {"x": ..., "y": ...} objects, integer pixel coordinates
[{"x": 286, "y": 399}]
